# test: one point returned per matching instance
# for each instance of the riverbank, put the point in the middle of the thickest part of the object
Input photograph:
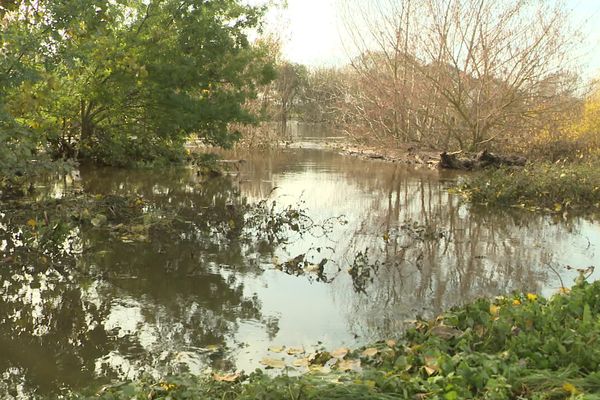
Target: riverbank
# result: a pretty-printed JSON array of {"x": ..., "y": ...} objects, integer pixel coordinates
[
  {"x": 535, "y": 185},
  {"x": 514, "y": 347},
  {"x": 541, "y": 187},
  {"x": 406, "y": 154}
]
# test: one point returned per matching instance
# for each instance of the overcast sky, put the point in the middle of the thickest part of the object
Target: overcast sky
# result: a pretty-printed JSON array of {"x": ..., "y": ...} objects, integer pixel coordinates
[{"x": 312, "y": 32}]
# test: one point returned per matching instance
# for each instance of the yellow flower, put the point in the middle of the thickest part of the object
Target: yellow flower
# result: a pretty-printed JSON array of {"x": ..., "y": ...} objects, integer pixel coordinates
[
  {"x": 494, "y": 309},
  {"x": 167, "y": 386},
  {"x": 564, "y": 290},
  {"x": 532, "y": 297},
  {"x": 516, "y": 302},
  {"x": 569, "y": 387}
]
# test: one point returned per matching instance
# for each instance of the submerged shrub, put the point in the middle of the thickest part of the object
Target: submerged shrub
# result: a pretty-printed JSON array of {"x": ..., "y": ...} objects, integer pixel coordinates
[{"x": 552, "y": 187}]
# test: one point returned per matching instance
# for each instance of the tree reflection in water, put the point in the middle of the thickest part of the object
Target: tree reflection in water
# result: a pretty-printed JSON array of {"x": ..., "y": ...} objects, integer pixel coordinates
[
  {"x": 87, "y": 304},
  {"x": 92, "y": 305},
  {"x": 410, "y": 247},
  {"x": 436, "y": 252}
]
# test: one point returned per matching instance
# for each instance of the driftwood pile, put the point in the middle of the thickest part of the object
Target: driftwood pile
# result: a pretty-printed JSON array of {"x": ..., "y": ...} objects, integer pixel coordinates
[{"x": 480, "y": 160}]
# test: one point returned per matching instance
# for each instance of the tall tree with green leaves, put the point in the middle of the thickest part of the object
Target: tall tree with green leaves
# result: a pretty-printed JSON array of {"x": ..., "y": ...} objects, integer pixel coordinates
[
  {"x": 19, "y": 158},
  {"x": 118, "y": 81}
]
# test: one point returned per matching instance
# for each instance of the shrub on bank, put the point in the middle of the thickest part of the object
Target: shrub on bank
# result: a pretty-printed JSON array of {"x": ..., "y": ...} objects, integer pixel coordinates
[
  {"x": 515, "y": 347},
  {"x": 549, "y": 187}
]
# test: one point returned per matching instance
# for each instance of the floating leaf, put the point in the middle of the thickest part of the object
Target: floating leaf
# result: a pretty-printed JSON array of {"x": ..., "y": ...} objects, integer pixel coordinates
[
  {"x": 301, "y": 362},
  {"x": 276, "y": 349},
  {"x": 227, "y": 377},
  {"x": 340, "y": 353},
  {"x": 370, "y": 352},
  {"x": 292, "y": 351},
  {"x": 347, "y": 365},
  {"x": 272, "y": 363},
  {"x": 318, "y": 368},
  {"x": 311, "y": 268}
]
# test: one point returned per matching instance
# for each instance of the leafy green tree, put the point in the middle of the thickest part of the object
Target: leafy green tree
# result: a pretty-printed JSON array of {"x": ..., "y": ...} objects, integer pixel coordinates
[
  {"x": 131, "y": 80},
  {"x": 19, "y": 158}
]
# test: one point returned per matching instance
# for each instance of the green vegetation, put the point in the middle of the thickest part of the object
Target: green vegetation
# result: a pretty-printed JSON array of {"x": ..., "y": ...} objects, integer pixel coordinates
[
  {"x": 547, "y": 187},
  {"x": 517, "y": 347},
  {"x": 123, "y": 82}
]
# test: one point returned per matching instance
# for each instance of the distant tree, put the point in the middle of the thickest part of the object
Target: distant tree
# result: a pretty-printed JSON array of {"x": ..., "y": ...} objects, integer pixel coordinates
[
  {"x": 324, "y": 91},
  {"x": 291, "y": 79}
]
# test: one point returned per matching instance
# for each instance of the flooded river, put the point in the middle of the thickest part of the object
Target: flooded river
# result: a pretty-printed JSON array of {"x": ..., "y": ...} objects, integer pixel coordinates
[{"x": 391, "y": 244}]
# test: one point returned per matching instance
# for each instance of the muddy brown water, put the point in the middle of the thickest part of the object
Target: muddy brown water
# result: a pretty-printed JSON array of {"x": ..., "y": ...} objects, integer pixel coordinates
[{"x": 199, "y": 303}]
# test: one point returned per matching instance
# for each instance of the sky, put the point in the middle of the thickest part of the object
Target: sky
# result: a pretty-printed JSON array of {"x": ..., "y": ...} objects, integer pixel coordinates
[{"x": 312, "y": 32}]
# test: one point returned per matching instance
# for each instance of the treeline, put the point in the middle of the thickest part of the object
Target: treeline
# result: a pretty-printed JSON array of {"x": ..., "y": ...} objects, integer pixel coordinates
[
  {"x": 453, "y": 75},
  {"x": 124, "y": 81}
]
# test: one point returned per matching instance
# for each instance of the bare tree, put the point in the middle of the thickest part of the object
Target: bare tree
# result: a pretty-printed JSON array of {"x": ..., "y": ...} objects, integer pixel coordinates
[
  {"x": 289, "y": 83},
  {"x": 459, "y": 72}
]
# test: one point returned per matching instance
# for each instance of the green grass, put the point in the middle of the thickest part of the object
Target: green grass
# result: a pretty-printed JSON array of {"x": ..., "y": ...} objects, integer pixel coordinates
[
  {"x": 516, "y": 347},
  {"x": 548, "y": 187}
]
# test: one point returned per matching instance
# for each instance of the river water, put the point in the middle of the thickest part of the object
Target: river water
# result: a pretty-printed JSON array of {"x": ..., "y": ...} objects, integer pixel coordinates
[{"x": 399, "y": 246}]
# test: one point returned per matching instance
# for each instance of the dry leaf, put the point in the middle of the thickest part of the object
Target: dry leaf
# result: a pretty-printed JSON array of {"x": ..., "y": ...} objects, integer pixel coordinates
[
  {"x": 340, "y": 353},
  {"x": 347, "y": 365},
  {"x": 276, "y": 349},
  {"x": 391, "y": 343},
  {"x": 431, "y": 366},
  {"x": 292, "y": 351},
  {"x": 301, "y": 362},
  {"x": 273, "y": 363},
  {"x": 319, "y": 369},
  {"x": 312, "y": 268},
  {"x": 370, "y": 352},
  {"x": 226, "y": 377}
]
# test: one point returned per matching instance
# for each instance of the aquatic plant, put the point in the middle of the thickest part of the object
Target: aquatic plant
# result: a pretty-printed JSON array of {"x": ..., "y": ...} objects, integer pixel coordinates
[
  {"x": 521, "y": 346},
  {"x": 545, "y": 187}
]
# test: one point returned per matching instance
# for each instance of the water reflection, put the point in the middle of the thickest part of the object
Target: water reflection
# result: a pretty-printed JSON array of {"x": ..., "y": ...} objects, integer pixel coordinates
[
  {"x": 87, "y": 306},
  {"x": 203, "y": 292},
  {"x": 464, "y": 253}
]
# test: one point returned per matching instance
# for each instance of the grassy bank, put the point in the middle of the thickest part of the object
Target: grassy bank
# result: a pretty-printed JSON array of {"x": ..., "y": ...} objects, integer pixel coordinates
[
  {"x": 548, "y": 187},
  {"x": 516, "y": 347}
]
